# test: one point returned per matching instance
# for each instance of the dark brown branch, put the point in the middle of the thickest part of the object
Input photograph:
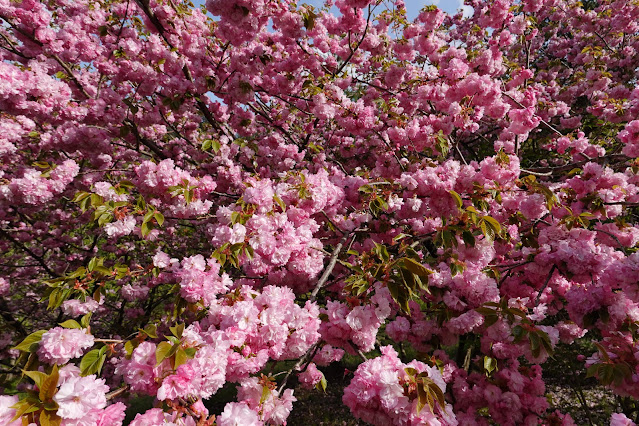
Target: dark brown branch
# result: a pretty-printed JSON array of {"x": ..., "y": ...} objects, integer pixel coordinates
[
  {"x": 359, "y": 43},
  {"x": 541, "y": 290},
  {"x": 30, "y": 252},
  {"x": 297, "y": 365},
  {"x": 570, "y": 166},
  {"x": 6, "y": 314},
  {"x": 146, "y": 142}
]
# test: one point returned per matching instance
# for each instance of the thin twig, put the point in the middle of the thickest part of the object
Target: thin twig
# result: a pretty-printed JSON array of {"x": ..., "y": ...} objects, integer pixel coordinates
[
  {"x": 605, "y": 42},
  {"x": 613, "y": 236},
  {"x": 108, "y": 341},
  {"x": 544, "y": 122},
  {"x": 329, "y": 267},
  {"x": 576, "y": 164},
  {"x": 297, "y": 365},
  {"x": 117, "y": 392},
  {"x": 6, "y": 314},
  {"x": 541, "y": 290},
  {"x": 530, "y": 172},
  {"x": 31, "y": 253}
]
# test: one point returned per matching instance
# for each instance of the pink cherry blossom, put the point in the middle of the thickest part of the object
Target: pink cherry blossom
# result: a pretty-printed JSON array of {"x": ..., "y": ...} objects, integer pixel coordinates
[{"x": 59, "y": 345}]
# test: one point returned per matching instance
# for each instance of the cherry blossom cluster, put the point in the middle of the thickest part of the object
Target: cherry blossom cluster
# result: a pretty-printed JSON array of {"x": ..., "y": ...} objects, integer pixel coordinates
[{"x": 382, "y": 392}]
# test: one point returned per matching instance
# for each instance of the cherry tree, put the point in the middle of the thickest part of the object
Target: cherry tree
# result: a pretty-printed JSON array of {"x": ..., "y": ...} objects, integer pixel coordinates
[{"x": 242, "y": 193}]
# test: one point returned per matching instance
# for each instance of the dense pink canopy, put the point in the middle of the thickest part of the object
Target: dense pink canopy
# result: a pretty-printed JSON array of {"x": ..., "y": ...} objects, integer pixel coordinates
[{"x": 194, "y": 197}]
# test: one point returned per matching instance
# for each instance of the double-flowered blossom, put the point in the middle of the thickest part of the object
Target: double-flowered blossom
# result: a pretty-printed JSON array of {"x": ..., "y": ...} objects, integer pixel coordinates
[
  {"x": 382, "y": 393},
  {"x": 59, "y": 345},
  {"x": 36, "y": 188},
  {"x": 359, "y": 324}
]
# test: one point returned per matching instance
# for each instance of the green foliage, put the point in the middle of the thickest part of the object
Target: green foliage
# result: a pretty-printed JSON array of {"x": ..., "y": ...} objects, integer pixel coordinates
[{"x": 404, "y": 274}]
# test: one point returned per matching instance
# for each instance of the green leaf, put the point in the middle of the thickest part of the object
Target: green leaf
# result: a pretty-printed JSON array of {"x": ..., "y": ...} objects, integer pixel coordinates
[
  {"x": 48, "y": 418},
  {"x": 622, "y": 371},
  {"x": 487, "y": 230},
  {"x": 400, "y": 294},
  {"x": 458, "y": 199},
  {"x": 105, "y": 218},
  {"x": 468, "y": 238},
  {"x": 97, "y": 294},
  {"x": 422, "y": 398},
  {"x": 493, "y": 223},
  {"x": 128, "y": 348},
  {"x": 148, "y": 216},
  {"x": 485, "y": 311},
  {"x": 366, "y": 189},
  {"x": 70, "y": 324},
  {"x": 606, "y": 374},
  {"x": 180, "y": 358},
  {"x": 449, "y": 239},
  {"x": 78, "y": 272},
  {"x": 159, "y": 218},
  {"x": 25, "y": 406},
  {"x": 408, "y": 280},
  {"x": 535, "y": 344},
  {"x": 177, "y": 330},
  {"x": 92, "y": 361},
  {"x": 309, "y": 20},
  {"x": 101, "y": 270},
  {"x": 86, "y": 320},
  {"x": 236, "y": 248},
  {"x": 37, "y": 376},
  {"x": 146, "y": 228},
  {"x": 31, "y": 342},
  {"x": 490, "y": 364},
  {"x": 96, "y": 200},
  {"x": 491, "y": 320},
  {"x": 55, "y": 298},
  {"x": 92, "y": 264},
  {"x": 49, "y": 385},
  {"x": 279, "y": 202},
  {"x": 436, "y": 391},
  {"x": 84, "y": 204},
  {"x": 545, "y": 342},
  {"x": 381, "y": 252},
  {"x": 412, "y": 372},
  {"x": 151, "y": 331},
  {"x": 81, "y": 195},
  {"x": 266, "y": 392},
  {"x": 322, "y": 385},
  {"x": 416, "y": 267},
  {"x": 50, "y": 406},
  {"x": 162, "y": 352},
  {"x": 592, "y": 370},
  {"x": 518, "y": 332},
  {"x": 455, "y": 268}
]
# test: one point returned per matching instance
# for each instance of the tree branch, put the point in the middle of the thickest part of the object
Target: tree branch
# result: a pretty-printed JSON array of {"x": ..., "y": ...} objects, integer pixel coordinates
[{"x": 329, "y": 267}]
